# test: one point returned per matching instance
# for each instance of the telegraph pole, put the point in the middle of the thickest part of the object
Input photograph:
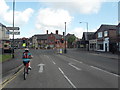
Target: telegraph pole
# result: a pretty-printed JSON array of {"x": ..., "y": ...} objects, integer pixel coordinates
[
  {"x": 13, "y": 28},
  {"x": 65, "y": 51}
]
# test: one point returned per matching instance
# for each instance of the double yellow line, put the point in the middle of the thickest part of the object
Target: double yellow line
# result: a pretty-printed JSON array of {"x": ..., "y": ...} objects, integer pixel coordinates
[{"x": 6, "y": 81}]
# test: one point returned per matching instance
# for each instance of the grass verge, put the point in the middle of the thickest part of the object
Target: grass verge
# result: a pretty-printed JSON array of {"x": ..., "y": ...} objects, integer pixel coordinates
[{"x": 5, "y": 57}]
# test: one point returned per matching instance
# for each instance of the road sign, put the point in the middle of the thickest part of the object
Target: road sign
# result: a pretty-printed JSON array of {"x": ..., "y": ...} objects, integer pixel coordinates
[
  {"x": 11, "y": 33},
  {"x": 12, "y": 28}
]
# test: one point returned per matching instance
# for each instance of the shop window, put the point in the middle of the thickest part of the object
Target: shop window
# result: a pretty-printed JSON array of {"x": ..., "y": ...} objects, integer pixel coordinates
[
  {"x": 100, "y": 46},
  {"x": 119, "y": 31}
]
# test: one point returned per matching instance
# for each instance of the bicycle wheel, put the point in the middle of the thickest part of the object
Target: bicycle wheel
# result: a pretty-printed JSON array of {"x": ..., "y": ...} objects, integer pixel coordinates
[{"x": 25, "y": 73}]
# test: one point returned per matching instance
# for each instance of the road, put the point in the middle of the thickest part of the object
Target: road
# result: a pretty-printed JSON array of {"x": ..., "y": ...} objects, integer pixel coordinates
[{"x": 62, "y": 71}]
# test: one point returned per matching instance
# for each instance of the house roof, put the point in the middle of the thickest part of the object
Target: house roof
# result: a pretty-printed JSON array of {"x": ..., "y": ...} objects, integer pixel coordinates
[
  {"x": 119, "y": 24},
  {"x": 58, "y": 36},
  {"x": 2, "y": 25},
  {"x": 45, "y": 36},
  {"x": 68, "y": 35},
  {"x": 90, "y": 35},
  {"x": 106, "y": 27}
]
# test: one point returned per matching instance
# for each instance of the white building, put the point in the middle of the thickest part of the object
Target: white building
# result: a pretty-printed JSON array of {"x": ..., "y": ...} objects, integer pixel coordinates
[
  {"x": 93, "y": 45},
  {"x": 3, "y": 32}
]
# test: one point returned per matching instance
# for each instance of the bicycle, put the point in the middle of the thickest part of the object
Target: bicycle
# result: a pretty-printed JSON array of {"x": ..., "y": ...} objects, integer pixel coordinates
[{"x": 26, "y": 71}]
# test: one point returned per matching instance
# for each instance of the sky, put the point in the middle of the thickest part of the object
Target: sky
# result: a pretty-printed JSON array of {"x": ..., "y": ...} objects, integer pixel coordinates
[{"x": 37, "y": 16}]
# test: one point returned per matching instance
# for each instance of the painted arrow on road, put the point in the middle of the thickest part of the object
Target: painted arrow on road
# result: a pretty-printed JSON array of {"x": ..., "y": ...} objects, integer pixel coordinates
[{"x": 41, "y": 67}]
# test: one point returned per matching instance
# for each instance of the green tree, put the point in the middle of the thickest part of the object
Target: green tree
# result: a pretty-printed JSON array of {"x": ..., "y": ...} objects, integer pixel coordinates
[{"x": 71, "y": 39}]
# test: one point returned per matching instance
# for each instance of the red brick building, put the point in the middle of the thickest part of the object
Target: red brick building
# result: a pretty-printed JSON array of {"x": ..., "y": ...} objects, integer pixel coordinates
[
  {"x": 106, "y": 38},
  {"x": 48, "y": 40}
]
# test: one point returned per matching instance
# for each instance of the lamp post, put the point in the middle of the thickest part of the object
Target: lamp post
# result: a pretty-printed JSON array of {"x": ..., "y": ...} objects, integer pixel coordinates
[
  {"x": 65, "y": 51},
  {"x": 13, "y": 28},
  {"x": 87, "y": 34},
  {"x": 87, "y": 29}
]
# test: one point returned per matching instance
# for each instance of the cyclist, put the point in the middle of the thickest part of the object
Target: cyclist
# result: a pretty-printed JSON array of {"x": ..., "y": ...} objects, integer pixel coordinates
[{"x": 26, "y": 57}]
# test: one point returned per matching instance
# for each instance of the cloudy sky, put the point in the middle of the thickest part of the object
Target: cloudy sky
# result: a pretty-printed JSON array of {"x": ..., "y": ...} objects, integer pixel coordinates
[{"x": 37, "y": 16}]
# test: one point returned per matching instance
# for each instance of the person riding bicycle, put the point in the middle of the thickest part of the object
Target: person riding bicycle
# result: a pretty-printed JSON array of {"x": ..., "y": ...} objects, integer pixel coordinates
[{"x": 26, "y": 57}]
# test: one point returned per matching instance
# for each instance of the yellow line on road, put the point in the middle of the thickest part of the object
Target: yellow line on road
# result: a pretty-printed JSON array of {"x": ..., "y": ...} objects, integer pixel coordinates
[{"x": 10, "y": 79}]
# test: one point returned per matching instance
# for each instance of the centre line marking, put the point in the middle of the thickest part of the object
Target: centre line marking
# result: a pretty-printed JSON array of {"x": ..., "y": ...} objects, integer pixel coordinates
[
  {"x": 76, "y": 60},
  {"x": 53, "y": 62},
  {"x": 67, "y": 78},
  {"x": 74, "y": 66}
]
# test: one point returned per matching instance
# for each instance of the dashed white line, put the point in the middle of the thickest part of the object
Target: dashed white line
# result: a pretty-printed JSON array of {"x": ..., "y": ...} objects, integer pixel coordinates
[
  {"x": 53, "y": 62},
  {"x": 67, "y": 78},
  {"x": 50, "y": 59},
  {"x": 96, "y": 68},
  {"x": 76, "y": 60},
  {"x": 104, "y": 70},
  {"x": 74, "y": 66}
]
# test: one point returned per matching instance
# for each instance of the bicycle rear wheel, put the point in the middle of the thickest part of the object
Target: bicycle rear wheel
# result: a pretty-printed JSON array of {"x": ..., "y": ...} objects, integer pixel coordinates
[{"x": 25, "y": 73}]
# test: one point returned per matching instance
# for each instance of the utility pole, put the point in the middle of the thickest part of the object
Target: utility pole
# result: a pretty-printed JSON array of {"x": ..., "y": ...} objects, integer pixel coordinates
[
  {"x": 87, "y": 45},
  {"x": 65, "y": 51},
  {"x": 13, "y": 28}
]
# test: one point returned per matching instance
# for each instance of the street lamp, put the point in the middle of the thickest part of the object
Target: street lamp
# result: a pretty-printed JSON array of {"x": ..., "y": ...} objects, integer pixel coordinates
[
  {"x": 13, "y": 28},
  {"x": 65, "y": 51},
  {"x": 86, "y": 35},
  {"x": 87, "y": 29}
]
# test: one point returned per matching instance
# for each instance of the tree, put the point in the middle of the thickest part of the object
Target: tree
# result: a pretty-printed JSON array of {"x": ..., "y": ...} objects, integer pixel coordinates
[{"x": 71, "y": 39}]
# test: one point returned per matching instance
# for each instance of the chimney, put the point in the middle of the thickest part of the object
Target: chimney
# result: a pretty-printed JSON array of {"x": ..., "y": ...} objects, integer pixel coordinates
[
  {"x": 56, "y": 31},
  {"x": 47, "y": 31}
]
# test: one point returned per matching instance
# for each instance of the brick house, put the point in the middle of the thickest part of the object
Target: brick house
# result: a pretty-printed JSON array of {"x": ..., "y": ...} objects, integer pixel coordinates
[
  {"x": 47, "y": 40},
  {"x": 106, "y": 38},
  {"x": 118, "y": 37},
  {"x": 84, "y": 43}
]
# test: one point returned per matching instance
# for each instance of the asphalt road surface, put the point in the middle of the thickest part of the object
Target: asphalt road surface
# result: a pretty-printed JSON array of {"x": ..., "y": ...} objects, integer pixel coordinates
[{"x": 52, "y": 70}]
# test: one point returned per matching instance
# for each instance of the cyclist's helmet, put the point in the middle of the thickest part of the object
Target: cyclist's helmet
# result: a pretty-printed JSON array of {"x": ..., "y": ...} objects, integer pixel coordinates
[{"x": 26, "y": 50}]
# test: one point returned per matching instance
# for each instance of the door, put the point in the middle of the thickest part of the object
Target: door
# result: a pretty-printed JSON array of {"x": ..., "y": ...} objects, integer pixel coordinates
[{"x": 105, "y": 47}]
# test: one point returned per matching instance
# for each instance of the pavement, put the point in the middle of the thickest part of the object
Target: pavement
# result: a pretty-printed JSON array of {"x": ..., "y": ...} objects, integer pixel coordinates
[{"x": 11, "y": 66}]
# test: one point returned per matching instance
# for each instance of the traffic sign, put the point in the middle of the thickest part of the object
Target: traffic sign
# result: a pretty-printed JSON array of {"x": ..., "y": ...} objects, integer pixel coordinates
[
  {"x": 11, "y": 33},
  {"x": 12, "y": 28}
]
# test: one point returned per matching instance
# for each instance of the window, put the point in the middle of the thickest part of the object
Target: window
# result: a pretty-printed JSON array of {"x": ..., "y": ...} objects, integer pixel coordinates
[
  {"x": 119, "y": 47},
  {"x": 119, "y": 31},
  {"x": 99, "y": 34},
  {"x": 105, "y": 33},
  {"x": 100, "y": 46}
]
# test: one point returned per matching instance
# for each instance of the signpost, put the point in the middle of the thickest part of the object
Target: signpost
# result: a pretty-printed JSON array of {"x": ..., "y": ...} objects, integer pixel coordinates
[
  {"x": 12, "y": 28},
  {"x": 11, "y": 33}
]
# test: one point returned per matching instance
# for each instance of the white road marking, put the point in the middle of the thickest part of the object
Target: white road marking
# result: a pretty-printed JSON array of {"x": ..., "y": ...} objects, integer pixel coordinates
[
  {"x": 74, "y": 66},
  {"x": 53, "y": 62},
  {"x": 41, "y": 67},
  {"x": 76, "y": 60},
  {"x": 67, "y": 78},
  {"x": 50, "y": 59},
  {"x": 104, "y": 71},
  {"x": 97, "y": 68}
]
